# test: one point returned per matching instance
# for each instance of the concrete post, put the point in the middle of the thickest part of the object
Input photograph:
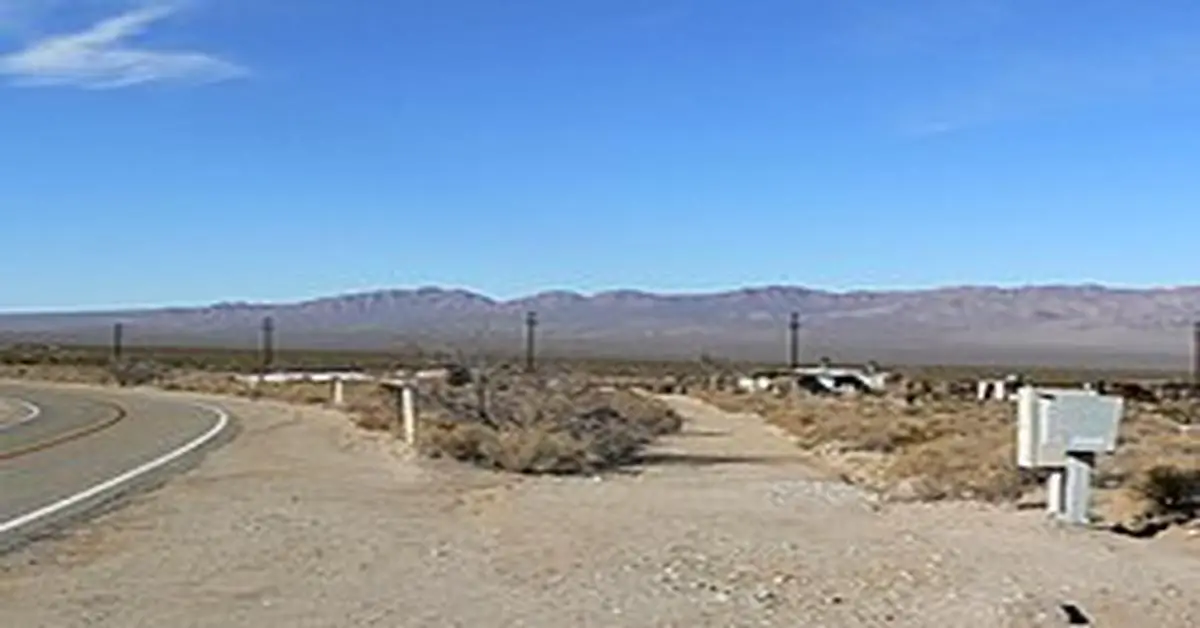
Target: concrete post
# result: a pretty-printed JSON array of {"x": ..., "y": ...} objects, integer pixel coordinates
[
  {"x": 1078, "y": 487},
  {"x": 408, "y": 407},
  {"x": 1055, "y": 493},
  {"x": 339, "y": 391}
]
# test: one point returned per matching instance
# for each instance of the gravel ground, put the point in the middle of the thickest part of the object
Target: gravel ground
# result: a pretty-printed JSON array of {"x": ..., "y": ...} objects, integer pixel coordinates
[{"x": 304, "y": 522}]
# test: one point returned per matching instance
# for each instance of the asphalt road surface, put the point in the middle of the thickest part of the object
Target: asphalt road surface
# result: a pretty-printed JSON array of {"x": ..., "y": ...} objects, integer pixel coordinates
[{"x": 72, "y": 452}]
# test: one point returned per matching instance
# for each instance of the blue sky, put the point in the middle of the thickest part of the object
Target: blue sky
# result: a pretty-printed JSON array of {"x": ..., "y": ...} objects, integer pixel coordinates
[{"x": 211, "y": 150}]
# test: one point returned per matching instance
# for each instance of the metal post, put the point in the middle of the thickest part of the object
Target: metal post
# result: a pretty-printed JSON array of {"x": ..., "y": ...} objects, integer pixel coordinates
[
  {"x": 118, "y": 339},
  {"x": 530, "y": 325},
  {"x": 1078, "y": 487},
  {"x": 794, "y": 340}
]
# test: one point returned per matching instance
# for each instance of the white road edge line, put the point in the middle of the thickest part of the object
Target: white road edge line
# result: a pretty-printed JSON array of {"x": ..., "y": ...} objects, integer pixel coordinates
[
  {"x": 107, "y": 485},
  {"x": 32, "y": 412}
]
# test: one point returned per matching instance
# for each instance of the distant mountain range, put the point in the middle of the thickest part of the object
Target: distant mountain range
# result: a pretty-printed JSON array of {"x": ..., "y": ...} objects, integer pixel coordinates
[{"x": 976, "y": 324}]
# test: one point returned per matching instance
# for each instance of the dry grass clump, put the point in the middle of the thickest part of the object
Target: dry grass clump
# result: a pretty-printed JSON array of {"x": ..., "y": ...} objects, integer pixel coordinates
[
  {"x": 137, "y": 372},
  {"x": 210, "y": 383},
  {"x": 528, "y": 449},
  {"x": 1156, "y": 469},
  {"x": 371, "y": 407},
  {"x": 204, "y": 382},
  {"x": 1170, "y": 490},
  {"x": 538, "y": 426},
  {"x": 56, "y": 373},
  {"x": 960, "y": 466},
  {"x": 959, "y": 449},
  {"x": 643, "y": 410},
  {"x": 368, "y": 405},
  {"x": 933, "y": 450},
  {"x": 360, "y": 397}
]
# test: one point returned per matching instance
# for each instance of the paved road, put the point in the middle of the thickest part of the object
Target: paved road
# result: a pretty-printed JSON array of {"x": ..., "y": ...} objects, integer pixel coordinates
[{"x": 83, "y": 449}]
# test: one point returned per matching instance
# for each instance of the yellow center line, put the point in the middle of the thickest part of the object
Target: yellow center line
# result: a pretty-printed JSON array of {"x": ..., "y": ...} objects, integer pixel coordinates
[{"x": 68, "y": 436}]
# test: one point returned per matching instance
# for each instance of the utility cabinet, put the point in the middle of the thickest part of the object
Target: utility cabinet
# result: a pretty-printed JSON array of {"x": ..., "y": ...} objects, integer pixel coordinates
[{"x": 1064, "y": 430}]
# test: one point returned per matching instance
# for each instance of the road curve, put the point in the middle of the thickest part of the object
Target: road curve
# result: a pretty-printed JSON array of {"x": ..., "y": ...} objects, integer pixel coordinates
[
  {"x": 89, "y": 447},
  {"x": 24, "y": 413}
]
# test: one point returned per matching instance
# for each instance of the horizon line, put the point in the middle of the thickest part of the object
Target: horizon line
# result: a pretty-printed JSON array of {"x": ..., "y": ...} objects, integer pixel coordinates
[{"x": 588, "y": 294}]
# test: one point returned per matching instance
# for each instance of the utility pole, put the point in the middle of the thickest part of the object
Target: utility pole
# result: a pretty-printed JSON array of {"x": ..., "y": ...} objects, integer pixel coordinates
[
  {"x": 1196, "y": 359},
  {"x": 531, "y": 323},
  {"x": 118, "y": 339},
  {"x": 268, "y": 344},
  {"x": 794, "y": 341}
]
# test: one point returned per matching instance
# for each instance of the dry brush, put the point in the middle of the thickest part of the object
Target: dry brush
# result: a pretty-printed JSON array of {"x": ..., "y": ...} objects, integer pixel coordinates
[{"x": 533, "y": 425}]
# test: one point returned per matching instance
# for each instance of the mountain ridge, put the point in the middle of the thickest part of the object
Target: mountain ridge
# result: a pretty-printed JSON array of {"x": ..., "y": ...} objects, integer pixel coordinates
[
  {"x": 1069, "y": 320},
  {"x": 625, "y": 293}
]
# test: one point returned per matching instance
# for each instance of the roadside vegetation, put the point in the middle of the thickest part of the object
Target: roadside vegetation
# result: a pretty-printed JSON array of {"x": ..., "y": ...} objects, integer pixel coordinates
[
  {"x": 538, "y": 425},
  {"x": 567, "y": 421},
  {"x": 937, "y": 447},
  {"x": 584, "y": 415}
]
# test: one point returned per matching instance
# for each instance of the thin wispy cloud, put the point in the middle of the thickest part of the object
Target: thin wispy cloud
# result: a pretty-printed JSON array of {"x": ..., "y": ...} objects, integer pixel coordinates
[{"x": 105, "y": 56}]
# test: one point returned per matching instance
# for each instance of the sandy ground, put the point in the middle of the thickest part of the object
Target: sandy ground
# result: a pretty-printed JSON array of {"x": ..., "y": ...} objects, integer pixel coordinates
[{"x": 304, "y": 522}]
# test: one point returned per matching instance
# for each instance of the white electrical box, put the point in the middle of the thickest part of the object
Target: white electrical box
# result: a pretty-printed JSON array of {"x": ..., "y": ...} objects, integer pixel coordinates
[{"x": 1052, "y": 423}]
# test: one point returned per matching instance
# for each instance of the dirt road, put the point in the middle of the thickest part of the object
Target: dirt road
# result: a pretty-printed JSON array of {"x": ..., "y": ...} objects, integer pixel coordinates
[{"x": 304, "y": 522}]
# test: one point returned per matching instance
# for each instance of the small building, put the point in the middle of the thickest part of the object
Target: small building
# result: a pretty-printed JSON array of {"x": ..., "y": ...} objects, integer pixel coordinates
[
  {"x": 826, "y": 379},
  {"x": 819, "y": 379},
  {"x": 999, "y": 389}
]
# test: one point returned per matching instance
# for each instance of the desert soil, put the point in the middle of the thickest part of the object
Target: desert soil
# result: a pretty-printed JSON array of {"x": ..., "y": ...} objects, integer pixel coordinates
[{"x": 303, "y": 521}]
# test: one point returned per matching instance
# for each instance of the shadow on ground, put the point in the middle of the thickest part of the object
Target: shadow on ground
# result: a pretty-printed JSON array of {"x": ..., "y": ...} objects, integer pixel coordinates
[
  {"x": 702, "y": 460},
  {"x": 701, "y": 434}
]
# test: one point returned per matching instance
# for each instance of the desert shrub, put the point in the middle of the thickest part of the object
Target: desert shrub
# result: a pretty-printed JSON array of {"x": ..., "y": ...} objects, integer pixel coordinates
[
  {"x": 541, "y": 426},
  {"x": 536, "y": 449},
  {"x": 1169, "y": 489},
  {"x": 533, "y": 448},
  {"x": 1155, "y": 472},
  {"x": 59, "y": 373},
  {"x": 457, "y": 441},
  {"x": 371, "y": 408},
  {"x": 137, "y": 373},
  {"x": 1181, "y": 412}
]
